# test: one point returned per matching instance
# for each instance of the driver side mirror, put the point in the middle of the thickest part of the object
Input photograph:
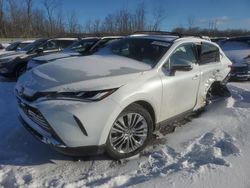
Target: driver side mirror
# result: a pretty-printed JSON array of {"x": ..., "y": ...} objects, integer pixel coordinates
[
  {"x": 39, "y": 50},
  {"x": 180, "y": 65}
]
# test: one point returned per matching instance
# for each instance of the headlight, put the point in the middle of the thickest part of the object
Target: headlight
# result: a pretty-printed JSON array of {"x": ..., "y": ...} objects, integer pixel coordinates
[
  {"x": 247, "y": 61},
  {"x": 7, "y": 60},
  {"x": 82, "y": 96}
]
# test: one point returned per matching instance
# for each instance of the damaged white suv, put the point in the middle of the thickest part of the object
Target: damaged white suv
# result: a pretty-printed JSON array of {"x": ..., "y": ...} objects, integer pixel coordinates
[{"x": 114, "y": 99}]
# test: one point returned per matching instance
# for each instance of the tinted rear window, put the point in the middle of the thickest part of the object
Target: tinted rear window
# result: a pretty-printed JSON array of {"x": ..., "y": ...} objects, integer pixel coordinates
[{"x": 66, "y": 43}]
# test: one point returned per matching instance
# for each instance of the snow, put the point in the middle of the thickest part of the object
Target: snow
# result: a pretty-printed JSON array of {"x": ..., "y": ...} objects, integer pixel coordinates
[
  {"x": 44, "y": 76},
  {"x": 209, "y": 150}
]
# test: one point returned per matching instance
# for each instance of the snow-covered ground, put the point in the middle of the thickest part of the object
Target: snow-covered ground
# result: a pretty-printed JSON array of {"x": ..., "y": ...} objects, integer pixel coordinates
[{"x": 211, "y": 150}]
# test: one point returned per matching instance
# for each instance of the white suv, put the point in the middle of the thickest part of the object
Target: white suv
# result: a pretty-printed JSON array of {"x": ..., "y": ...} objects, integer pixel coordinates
[{"x": 114, "y": 99}]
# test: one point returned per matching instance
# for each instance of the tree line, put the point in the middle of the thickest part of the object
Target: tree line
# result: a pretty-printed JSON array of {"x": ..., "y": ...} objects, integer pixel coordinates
[{"x": 22, "y": 19}]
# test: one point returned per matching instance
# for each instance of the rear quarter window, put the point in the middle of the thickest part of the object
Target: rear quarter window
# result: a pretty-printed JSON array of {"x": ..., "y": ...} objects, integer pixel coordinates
[
  {"x": 66, "y": 43},
  {"x": 209, "y": 54}
]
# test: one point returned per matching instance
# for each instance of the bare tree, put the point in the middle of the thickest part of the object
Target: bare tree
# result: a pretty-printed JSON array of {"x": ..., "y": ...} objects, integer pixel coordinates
[
  {"x": 191, "y": 22},
  {"x": 29, "y": 16},
  {"x": 2, "y": 23},
  {"x": 73, "y": 23},
  {"x": 50, "y": 7},
  {"x": 139, "y": 18},
  {"x": 159, "y": 15}
]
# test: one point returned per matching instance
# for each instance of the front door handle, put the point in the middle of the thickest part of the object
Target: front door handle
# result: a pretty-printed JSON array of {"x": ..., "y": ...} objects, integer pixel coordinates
[{"x": 195, "y": 77}]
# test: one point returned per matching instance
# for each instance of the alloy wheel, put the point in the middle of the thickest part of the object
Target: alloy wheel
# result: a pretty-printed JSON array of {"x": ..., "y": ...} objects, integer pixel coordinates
[{"x": 128, "y": 133}]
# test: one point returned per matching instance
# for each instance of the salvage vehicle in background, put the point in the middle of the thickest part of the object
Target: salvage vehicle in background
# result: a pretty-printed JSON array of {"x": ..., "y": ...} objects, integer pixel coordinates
[
  {"x": 1, "y": 47},
  {"x": 114, "y": 99},
  {"x": 237, "y": 50},
  {"x": 15, "y": 46},
  {"x": 83, "y": 47},
  {"x": 14, "y": 64}
]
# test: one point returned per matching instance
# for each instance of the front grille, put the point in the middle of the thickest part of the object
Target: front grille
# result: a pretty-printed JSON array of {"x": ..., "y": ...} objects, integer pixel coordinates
[
  {"x": 34, "y": 115},
  {"x": 37, "y": 117}
]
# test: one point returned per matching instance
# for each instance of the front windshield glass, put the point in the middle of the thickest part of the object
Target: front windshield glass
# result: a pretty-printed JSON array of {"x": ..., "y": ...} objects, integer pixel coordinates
[
  {"x": 145, "y": 50},
  {"x": 12, "y": 46},
  {"x": 34, "y": 45},
  {"x": 82, "y": 45},
  {"x": 22, "y": 45}
]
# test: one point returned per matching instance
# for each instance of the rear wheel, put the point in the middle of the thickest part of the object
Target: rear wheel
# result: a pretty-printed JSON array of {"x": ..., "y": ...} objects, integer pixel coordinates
[{"x": 130, "y": 133}]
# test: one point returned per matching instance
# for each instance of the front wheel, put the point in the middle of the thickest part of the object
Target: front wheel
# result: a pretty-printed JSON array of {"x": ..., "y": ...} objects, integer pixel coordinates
[
  {"x": 130, "y": 133},
  {"x": 20, "y": 70}
]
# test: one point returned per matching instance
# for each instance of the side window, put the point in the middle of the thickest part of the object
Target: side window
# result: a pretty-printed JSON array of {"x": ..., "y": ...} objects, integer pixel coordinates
[
  {"x": 82, "y": 46},
  {"x": 209, "y": 54},
  {"x": 183, "y": 55},
  {"x": 50, "y": 45},
  {"x": 66, "y": 43}
]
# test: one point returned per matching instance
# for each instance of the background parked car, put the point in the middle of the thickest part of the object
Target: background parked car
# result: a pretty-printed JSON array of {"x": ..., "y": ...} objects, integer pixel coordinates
[
  {"x": 238, "y": 51},
  {"x": 15, "y": 46},
  {"x": 83, "y": 47},
  {"x": 1, "y": 47},
  {"x": 14, "y": 64},
  {"x": 76, "y": 49}
]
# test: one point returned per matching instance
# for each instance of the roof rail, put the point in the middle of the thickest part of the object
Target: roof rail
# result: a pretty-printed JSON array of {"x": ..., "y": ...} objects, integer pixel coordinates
[
  {"x": 158, "y": 33},
  {"x": 180, "y": 35}
]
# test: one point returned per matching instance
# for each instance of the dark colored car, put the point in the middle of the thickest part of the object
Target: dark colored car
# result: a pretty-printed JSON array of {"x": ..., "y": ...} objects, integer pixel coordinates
[
  {"x": 1, "y": 47},
  {"x": 14, "y": 64},
  {"x": 238, "y": 51},
  {"x": 86, "y": 46},
  {"x": 18, "y": 45}
]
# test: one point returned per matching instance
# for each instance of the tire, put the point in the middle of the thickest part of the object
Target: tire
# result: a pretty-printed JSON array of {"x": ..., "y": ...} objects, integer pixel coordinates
[
  {"x": 20, "y": 70},
  {"x": 121, "y": 142}
]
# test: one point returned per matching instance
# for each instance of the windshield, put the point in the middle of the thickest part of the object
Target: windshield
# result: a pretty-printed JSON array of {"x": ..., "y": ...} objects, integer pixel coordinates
[
  {"x": 82, "y": 45},
  {"x": 34, "y": 45},
  {"x": 145, "y": 50},
  {"x": 22, "y": 45},
  {"x": 102, "y": 43},
  {"x": 12, "y": 46}
]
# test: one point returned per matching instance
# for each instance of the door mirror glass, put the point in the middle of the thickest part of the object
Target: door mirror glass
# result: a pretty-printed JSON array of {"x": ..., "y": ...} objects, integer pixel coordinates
[
  {"x": 39, "y": 50},
  {"x": 182, "y": 67}
]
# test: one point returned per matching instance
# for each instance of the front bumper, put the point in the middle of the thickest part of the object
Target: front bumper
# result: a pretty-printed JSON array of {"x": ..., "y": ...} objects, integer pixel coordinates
[
  {"x": 60, "y": 126},
  {"x": 240, "y": 73},
  {"x": 5, "y": 70},
  {"x": 60, "y": 147}
]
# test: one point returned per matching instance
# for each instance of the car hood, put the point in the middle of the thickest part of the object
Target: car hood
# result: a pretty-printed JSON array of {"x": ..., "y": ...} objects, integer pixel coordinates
[
  {"x": 237, "y": 56},
  {"x": 86, "y": 73},
  {"x": 55, "y": 56}
]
